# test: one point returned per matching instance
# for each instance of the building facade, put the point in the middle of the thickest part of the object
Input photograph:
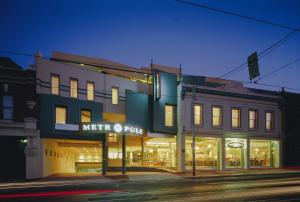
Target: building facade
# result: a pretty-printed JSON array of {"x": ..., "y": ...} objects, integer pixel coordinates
[
  {"x": 18, "y": 119},
  {"x": 96, "y": 115}
]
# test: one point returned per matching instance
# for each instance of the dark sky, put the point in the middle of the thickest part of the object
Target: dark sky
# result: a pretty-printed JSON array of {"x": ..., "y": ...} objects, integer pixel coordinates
[{"x": 132, "y": 32}]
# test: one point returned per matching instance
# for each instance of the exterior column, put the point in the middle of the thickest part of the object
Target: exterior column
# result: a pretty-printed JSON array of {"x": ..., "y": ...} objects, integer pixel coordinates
[
  {"x": 248, "y": 161},
  {"x": 223, "y": 146},
  {"x": 180, "y": 151},
  {"x": 123, "y": 154},
  {"x": 104, "y": 156}
]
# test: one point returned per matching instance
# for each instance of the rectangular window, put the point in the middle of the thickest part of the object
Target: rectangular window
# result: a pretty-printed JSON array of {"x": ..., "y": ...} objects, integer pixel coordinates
[
  {"x": 54, "y": 84},
  {"x": 73, "y": 88},
  {"x": 253, "y": 119},
  {"x": 158, "y": 86},
  {"x": 8, "y": 107},
  {"x": 169, "y": 117},
  {"x": 112, "y": 137},
  {"x": 198, "y": 114},
  {"x": 217, "y": 116},
  {"x": 90, "y": 88},
  {"x": 61, "y": 115},
  {"x": 236, "y": 118},
  {"x": 86, "y": 116},
  {"x": 269, "y": 120},
  {"x": 114, "y": 95}
]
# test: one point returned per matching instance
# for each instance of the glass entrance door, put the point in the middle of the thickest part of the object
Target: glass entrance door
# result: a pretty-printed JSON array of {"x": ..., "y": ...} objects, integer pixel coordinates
[{"x": 235, "y": 154}]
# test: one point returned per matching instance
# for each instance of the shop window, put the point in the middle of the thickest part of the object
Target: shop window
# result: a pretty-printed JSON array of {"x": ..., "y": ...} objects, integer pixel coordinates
[
  {"x": 55, "y": 84},
  {"x": 112, "y": 137},
  {"x": 115, "y": 95},
  {"x": 236, "y": 118},
  {"x": 8, "y": 107},
  {"x": 198, "y": 114},
  {"x": 253, "y": 119},
  {"x": 90, "y": 88},
  {"x": 269, "y": 120},
  {"x": 86, "y": 116},
  {"x": 264, "y": 153},
  {"x": 160, "y": 153},
  {"x": 134, "y": 151},
  {"x": 169, "y": 116},
  {"x": 207, "y": 153},
  {"x": 60, "y": 115},
  {"x": 217, "y": 116},
  {"x": 73, "y": 88},
  {"x": 235, "y": 153}
]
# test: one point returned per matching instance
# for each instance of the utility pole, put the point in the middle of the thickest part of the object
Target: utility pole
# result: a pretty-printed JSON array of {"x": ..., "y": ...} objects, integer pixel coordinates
[{"x": 193, "y": 132}]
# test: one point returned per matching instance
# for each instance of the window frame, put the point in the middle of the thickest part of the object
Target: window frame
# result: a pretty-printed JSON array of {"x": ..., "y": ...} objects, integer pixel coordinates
[
  {"x": 89, "y": 110},
  {"x": 212, "y": 116},
  {"x": 93, "y": 83},
  {"x": 61, "y": 106},
  {"x": 77, "y": 82},
  {"x": 201, "y": 114},
  {"x": 117, "y": 88},
  {"x": 272, "y": 120},
  {"x": 256, "y": 120},
  {"x": 58, "y": 76},
  {"x": 173, "y": 124},
  {"x": 239, "y": 118},
  {"x": 6, "y": 107}
]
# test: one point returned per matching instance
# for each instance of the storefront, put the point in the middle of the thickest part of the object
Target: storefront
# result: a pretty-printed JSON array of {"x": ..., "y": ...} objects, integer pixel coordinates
[{"x": 239, "y": 153}]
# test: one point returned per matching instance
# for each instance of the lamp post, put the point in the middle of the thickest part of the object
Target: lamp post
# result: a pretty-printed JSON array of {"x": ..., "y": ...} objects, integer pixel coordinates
[{"x": 193, "y": 132}]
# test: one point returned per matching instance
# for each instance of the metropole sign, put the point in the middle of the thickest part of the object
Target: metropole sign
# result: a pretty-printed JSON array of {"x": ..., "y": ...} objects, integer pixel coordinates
[{"x": 111, "y": 128}]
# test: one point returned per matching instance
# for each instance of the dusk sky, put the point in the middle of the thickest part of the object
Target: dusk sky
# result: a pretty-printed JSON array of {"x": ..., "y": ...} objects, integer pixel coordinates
[{"x": 132, "y": 32}]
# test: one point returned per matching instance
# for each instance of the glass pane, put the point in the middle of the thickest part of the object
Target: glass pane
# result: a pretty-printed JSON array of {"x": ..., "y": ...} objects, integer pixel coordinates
[
  {"x": 217, "y": 116},
  {"x": 115, "y": 95},
  {"x": 7, "y": 101},
  {"x": 60, "y": 115},
  {"x": 235, "y": 153},
  {"x": 169, "y": 115},
  {"x": 73, "y": 88},
  {"x": 198, "y": 115},
  {"x": 86, "y": 116},
  {"x": 90, "y": 91},
  {"x": 8, "y": 113},
  {"x": 260, "y": 153},
  {"x": 55, "y": 85}
]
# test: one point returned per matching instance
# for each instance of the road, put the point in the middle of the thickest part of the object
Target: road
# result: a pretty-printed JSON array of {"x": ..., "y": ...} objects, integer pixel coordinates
[{"x": 225, "y": 189}]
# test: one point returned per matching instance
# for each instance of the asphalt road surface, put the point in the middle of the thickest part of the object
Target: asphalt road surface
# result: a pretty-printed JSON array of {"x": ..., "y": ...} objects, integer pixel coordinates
[{"x": 231, "y": 189}]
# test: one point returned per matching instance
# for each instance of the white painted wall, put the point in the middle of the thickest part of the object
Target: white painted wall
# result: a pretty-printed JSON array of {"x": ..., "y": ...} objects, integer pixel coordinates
[{"x": 208, "y": 100}]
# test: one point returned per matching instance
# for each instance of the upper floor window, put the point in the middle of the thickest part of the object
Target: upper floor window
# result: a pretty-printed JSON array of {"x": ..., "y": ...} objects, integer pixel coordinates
[
  {"x": 60, "y": 115},
  {"x": 253, "y": 124},
  {"x": 90, "y": 88},
  {"x": 269, "y": 120},
  {"x": 169, "y": 115},
  {"x": 86, "y": 116},
  {"x": 158, "y": 86},
  {"x": 73, "y": 88},
  {"x": 236, "y": 117},
  {"x": 217, "y": 116},
  {"x": 114, "y": 95},
  {"x": 8, "y": 107},
  {"x": 198, "y": 114},
  {"x": 55, "y": 84}
]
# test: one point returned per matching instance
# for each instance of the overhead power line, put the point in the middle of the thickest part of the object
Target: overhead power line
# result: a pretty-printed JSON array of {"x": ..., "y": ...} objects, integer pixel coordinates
[
  {"x": 262, "y": 54},
  {"x": 236, "y": 14},
  {"x": 279, "y": 69}
]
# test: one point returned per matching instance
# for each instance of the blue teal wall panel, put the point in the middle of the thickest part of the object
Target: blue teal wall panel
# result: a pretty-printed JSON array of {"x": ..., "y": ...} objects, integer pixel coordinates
[
  {"x": 137, "y": 109},
  {"x": 168, "y": 85},
  {"x": 74, "y": 106}
]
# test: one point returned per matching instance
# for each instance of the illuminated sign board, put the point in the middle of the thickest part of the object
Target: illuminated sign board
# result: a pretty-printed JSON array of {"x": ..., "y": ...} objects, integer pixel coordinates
[
  {"x": 235, "y": 144},
  {"x": 111, "y": 128}
]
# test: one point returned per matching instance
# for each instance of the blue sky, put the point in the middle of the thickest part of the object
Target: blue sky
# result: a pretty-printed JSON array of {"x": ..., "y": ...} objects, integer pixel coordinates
[{"x": 132, "y": 32}]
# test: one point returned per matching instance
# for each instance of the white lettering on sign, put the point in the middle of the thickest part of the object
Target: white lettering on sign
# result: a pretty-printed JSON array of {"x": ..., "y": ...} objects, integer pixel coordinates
[
  {"x": 110, "y": 127},
  {"x": 234, "y": 144}
]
